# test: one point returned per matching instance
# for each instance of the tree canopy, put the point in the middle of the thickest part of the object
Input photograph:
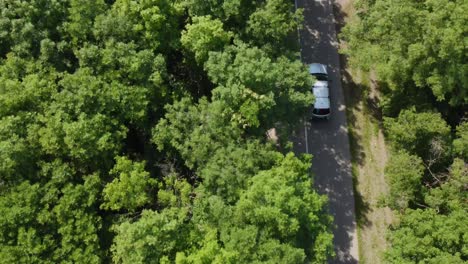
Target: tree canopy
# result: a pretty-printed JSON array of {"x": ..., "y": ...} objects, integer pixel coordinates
[
  {"x": 438, "y": 233},
  {"x": 417, "y": 52},
  {"x": 134, "y": 132},
  {"x": 413, "y": 44}
]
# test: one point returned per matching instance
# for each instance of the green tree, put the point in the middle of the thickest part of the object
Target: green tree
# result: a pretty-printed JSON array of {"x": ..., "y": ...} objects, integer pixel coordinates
[
  {"x": 229, "y": 169},
  {"x": 194, "y": 131},
  {"x": 89, "y": 118},
  {"x": 235, "y": 13},
  {"x": 436, "y": 233},
  {"x": 404, "y": 173},
  {"x": 273, "y": 23},
  {"x": 24, "y": 24},
  {"x": 85, "y": 87},
  {"x": 80, "y": 20},
  {"x": 126, "y": 63},
  {"x": 204, "y": 35},
  {"x": 451, "y": 194},
  {"x": 423, "y": 236},
  {"x": 278, "y": 219},
  {"x": 129, "y": 190},
  {"x": 260, "y": 90},
  {"x": 151, "y": 24},
  {"x": 425, "y": 134},
  {"x": 28, "y": 92},
  {"x": 78, "y": 222},
  {"x": 460, "y": 144},
  {"x": 413, "y": 44},
  {"x": 19, "y": 240},
  {"x": 154, "y": 238},
  {"x": 55, "y": 221},
  {"x": 17, "y": 154},
  {"x": 280, "y": 203}
]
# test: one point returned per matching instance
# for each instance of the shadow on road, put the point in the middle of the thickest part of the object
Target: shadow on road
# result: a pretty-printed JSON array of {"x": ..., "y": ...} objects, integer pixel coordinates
[
  {"x": 328, "y": 140},
  {"x": 354, "y": 95}
]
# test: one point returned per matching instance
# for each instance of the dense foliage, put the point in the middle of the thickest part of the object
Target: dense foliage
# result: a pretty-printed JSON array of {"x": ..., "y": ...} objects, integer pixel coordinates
[
  {"x": 133, "y": 131},
  {"x": 413, "y": 45},
  {"x": 418, "y": 51}
]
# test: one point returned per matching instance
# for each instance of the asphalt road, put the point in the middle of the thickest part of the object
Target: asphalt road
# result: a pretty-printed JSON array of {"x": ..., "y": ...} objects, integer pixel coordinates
[{"x": 328, "y": 140}]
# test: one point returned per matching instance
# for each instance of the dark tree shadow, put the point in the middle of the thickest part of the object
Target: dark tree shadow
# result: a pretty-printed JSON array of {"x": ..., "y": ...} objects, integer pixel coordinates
[{"x": 357, "y": 98}]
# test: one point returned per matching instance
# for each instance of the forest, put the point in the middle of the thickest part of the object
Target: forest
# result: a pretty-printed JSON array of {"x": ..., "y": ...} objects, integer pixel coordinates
[
  {"x": 134, "y": 131},
  {"x": 418, "y": 51}
]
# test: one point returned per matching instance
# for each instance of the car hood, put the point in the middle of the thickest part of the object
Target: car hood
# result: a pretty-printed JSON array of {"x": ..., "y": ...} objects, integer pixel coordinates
[
  {"x": 322, "y": 103},
  {"x": 321, "y": 92}
]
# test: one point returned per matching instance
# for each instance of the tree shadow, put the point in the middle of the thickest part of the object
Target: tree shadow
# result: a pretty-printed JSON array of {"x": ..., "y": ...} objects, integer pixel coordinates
[
  {"x": 362, "y": 207},
  {"x": 335, "y": 143},
  {"x": 357, "y": 98},
  {"x": 355, "y": 94}
]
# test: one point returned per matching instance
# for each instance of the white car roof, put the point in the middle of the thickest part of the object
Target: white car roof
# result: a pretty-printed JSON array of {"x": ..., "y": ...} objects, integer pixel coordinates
[
  {"x": 322, "y": 103},
  {"x": 322, "y": 92},
  {"x": 317, "y": 68},
  {"x": 321, "y": 83}
]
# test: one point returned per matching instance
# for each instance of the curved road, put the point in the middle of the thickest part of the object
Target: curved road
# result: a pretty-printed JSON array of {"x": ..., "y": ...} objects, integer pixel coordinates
[{"x": 327, "y": 140}]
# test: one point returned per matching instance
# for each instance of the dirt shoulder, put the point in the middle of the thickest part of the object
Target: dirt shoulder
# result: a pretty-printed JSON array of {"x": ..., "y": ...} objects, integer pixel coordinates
[{"x": 368, "y": 149}]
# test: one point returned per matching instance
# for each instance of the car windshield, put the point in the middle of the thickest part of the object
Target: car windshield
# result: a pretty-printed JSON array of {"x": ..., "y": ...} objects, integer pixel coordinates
[{"x": 321, "y": 77}]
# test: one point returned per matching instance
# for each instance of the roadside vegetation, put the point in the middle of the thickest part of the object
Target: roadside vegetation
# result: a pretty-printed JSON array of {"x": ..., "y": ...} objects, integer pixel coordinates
[
  {"x": 369, "y": 150},
  {"x": 134, "y": 132},
  {"x": 416, "y": 51},
  {"x": 369, "y": 156}
]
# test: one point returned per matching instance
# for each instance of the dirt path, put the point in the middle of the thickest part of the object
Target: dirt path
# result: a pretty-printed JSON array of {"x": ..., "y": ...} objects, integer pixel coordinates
[{"x": 369, "y": 152}]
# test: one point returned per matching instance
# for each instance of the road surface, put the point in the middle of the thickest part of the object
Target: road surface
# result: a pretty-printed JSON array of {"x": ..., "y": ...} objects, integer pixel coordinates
[{"x": 327, "y": 140}]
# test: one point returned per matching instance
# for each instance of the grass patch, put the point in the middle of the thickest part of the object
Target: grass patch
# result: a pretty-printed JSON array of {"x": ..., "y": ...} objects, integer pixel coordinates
[{"x": 369, "y": 155}]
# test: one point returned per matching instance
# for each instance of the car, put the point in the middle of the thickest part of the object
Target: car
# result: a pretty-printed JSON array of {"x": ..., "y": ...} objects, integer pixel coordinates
[{"x": 320, "y": 90}]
